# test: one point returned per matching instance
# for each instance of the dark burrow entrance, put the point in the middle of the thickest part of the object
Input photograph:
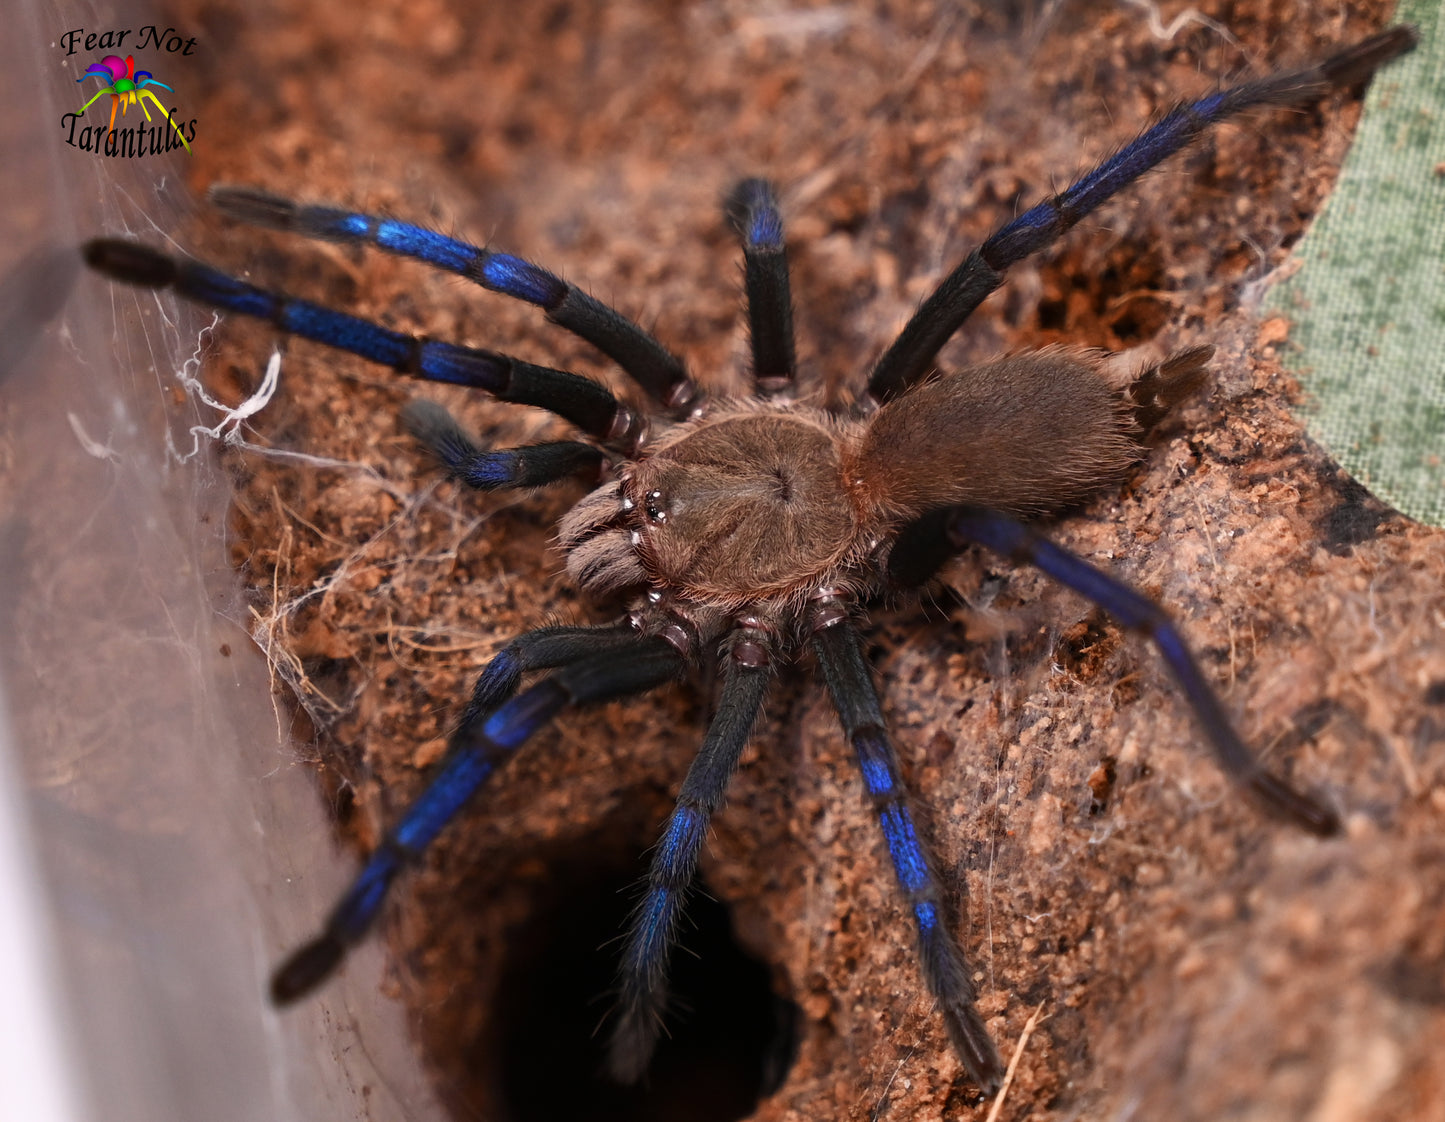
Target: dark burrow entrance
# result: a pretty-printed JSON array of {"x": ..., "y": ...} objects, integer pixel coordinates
[{"x": 732, "y": 1038}]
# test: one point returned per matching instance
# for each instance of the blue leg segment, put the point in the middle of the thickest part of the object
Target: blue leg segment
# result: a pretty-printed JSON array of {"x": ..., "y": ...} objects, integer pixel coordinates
[
  {"x": 944, "y": 968},
  {"x": 1002, "y": 534},
  {"x": 752, "y": 209},
  {"x": 645, "y": 360},
  {"x": 589, "y": 406},
  {"x": 648, "y": 944},
  {"x": 483, "y": 741},
  {"x": 911, "y": 355},
  {"x": 487, "y": 469}
]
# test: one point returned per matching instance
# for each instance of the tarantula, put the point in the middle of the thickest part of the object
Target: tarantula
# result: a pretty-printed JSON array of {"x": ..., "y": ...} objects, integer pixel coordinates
[{"x": 757, "y": 528}]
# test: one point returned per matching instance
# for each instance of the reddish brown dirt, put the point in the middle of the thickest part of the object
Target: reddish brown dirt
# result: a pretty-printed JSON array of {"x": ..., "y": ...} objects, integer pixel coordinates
[{"x": 1189, "y": 958}]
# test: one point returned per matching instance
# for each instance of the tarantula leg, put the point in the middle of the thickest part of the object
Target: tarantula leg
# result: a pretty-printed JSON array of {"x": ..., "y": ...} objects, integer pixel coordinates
[
  {"x": 642, "y": 357},
  {"x": 487, "y": 469},
  {"x": 546, "y": 648},
  {"x": 911, "y": 355},
  {"x": 476, "y": 749},
  {"x": 752, "y": 210},
  {"x": 589, "y": 406},
  {"x": 966, "y": 525},
  {"x": 944, "y": 967},
  {"x": 652, "y": 930}
]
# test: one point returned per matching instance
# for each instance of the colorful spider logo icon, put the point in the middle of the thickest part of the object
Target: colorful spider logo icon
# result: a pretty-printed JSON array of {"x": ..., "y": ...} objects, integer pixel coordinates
[{"x": 127, "y": 87}]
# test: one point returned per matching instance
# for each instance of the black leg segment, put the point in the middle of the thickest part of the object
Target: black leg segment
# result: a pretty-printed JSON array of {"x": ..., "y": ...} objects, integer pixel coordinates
[
  {"x": 652, "y": 931},
  {"x": 588, "y": 405},
  {"x": 481, "y": 744},
  {"x": 999, "y": 532},
  {"x": 642, "y": 357},
  {"x": 752, "y": 209},
  {"x": 944, "y": 968},
  {"x": 491, "y": 469},
  {"x": 911, "y": 355},
  {"x": 546, "y": 648}
]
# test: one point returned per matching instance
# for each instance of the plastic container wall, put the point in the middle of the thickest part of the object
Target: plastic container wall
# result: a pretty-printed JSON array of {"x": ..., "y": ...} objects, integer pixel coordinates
[{"x": 160, "y": 843}]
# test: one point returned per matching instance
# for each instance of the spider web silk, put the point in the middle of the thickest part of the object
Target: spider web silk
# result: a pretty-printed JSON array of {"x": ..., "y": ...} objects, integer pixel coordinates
[{"x": 152, "y": 800}]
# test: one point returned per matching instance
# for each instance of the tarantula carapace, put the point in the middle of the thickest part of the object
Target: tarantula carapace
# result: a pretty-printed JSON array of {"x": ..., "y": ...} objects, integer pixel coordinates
[{"x": 759, "y": 528}]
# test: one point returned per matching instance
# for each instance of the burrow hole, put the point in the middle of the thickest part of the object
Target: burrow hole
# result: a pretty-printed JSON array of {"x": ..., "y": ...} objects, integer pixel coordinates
[{"x": 731, "y": 1042}]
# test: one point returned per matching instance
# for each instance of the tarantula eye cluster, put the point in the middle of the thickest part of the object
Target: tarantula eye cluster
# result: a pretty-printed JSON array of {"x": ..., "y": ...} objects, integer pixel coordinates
[
  {"x": 760, "y": 527},
  {"x": 743, "y": 506}
]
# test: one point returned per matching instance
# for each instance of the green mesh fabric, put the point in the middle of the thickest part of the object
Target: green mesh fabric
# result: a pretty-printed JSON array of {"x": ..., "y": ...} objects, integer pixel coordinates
[{"x": 1368, "y": 302}]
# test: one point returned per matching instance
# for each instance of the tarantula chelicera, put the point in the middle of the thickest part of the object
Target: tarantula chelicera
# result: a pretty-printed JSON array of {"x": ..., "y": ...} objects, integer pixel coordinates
[{"x": 757, "y": 528}]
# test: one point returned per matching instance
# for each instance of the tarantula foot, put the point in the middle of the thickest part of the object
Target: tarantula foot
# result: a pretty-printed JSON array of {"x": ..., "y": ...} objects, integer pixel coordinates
[
  {"x": 1281, "y": 799},
  {"x": 306, "y": 969},
  {"x": 634, "y": 1039},
  {"x": 130, "y": 262}
]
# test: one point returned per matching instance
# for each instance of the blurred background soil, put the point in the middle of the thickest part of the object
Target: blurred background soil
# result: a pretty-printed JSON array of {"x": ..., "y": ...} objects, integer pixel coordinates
[{"x": 1187, "y": 958}]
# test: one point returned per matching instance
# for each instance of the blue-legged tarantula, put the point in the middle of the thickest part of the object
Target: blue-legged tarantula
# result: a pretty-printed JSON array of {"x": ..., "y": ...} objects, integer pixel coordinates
[{"x": 760, "y": 527}]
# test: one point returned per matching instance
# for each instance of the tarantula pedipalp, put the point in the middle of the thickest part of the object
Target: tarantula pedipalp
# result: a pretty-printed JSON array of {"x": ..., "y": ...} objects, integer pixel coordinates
[{"x": 757, "y": 527}]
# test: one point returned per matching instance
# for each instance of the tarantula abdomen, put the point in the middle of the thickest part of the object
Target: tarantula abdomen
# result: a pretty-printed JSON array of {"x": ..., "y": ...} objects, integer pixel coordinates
[{"x": 1030, "y": 434}]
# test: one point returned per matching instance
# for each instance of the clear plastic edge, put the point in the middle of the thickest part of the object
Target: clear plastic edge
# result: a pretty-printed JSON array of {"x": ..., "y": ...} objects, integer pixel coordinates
[{"x": 162, "y": 844}]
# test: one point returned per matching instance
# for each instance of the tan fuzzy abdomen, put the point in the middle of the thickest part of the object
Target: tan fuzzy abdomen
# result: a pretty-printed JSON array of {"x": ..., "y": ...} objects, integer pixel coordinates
[{"x": 1029, "y": 434}]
